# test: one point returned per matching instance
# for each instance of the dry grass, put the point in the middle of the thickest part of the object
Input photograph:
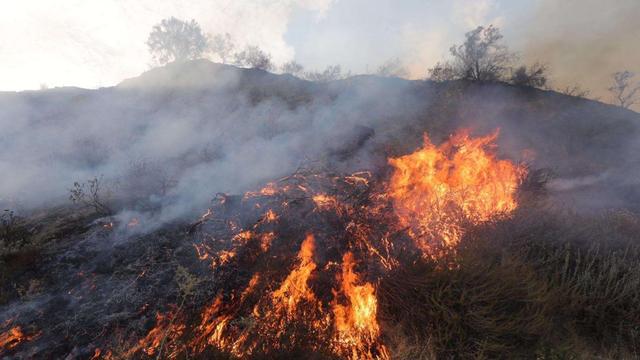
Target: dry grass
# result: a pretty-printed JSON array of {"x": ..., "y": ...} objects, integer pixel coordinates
[{"x": 541, "y": 285}]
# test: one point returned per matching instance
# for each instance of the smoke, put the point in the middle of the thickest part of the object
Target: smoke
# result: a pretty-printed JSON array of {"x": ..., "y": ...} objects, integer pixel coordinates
[
  {"x": 165, "y": 143},
  {"x": 178, "y": 135},
  {"x": 584, "y": 42}
]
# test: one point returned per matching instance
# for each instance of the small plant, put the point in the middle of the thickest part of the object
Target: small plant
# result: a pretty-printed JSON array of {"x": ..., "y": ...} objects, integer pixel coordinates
[
  {"x": 533, "y": 76},
  {"x": 89, "y": 194},
  {"x": 11, "y": 232},
  {"x": 187, "y": 284},
  {"x": 8, "y": 222}
]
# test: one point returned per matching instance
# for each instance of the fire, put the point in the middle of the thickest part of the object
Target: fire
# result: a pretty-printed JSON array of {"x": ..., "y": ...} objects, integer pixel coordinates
[
  {"x": 295, "y": 289},
  {"x": 436, "y": 188},
  {"x": 13, "y": 337},
  {"x": 322, "y": 296},
  {"x": 356, "y": 326},
  {"x": 270, "y": 216},
  {"x": 166, "y": 329},
  {"x": 324, "y": 201},
  {"x": 97, "y": 354},
  {"x": 293, "y": 302}
]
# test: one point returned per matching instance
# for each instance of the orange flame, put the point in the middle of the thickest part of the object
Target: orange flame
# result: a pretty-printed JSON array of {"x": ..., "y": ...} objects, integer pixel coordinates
[
  {"x": 324, "y": 201},
  {"x": 436, "y": 188},
  {"x": 435, "y": 192},
  {"x": 166, "y": 329},
  {"x": 356, "y": 325},
  {"x": 294, "y": 288},
  {"x": 13, "y": 337}
]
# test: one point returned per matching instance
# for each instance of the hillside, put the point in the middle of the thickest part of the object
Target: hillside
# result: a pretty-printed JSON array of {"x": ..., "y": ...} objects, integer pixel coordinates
[
  {"x": 244, "y": 214},
  {"x": 206, "y": 111}
]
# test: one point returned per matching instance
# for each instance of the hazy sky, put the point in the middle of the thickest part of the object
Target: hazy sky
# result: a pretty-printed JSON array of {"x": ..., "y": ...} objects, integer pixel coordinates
[{"x": 93, "y": 43}]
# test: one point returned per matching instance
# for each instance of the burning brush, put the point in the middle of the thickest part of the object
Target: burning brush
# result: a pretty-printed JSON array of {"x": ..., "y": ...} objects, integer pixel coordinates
[{"x": 297, "y": 263}]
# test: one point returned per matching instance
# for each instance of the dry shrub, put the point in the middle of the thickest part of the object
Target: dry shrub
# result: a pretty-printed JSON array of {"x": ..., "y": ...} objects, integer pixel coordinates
[
  {"x": 543, "y": 284},
  {"x": 481, "y": 308}
]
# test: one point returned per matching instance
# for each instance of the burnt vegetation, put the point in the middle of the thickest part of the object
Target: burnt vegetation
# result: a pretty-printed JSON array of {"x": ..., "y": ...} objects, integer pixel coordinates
[{"x": 323, "y": 263}]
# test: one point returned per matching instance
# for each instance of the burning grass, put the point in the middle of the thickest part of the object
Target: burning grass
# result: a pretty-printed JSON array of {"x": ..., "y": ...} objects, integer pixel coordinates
[
  {"x": 357, "y": 228},
  {"x": 541, "y": 284},
  {"x": 441, "y": 259}
]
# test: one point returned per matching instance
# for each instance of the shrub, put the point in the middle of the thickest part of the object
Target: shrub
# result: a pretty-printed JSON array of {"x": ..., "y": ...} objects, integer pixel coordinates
[
  {"x": 91, "y": 194},
  {"x": 12, "y": 230},
  {"x": 542, "y": 284}
]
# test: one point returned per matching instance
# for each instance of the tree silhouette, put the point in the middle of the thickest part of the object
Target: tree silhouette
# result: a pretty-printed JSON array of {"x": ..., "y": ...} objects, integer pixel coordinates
[{"x": 176, "y": 40}]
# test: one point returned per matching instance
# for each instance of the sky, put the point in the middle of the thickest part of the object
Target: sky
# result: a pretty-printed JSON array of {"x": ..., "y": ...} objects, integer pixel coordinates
[{"x": 97, "y": 43}]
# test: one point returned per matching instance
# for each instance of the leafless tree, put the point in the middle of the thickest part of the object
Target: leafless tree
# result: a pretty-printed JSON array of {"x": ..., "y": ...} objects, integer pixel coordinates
[
  {"x": 625, "y": 92},
  {"x": 176, "y": 40},
  {"x": 482, "y": 57},
  {"x": 392, "y": 68},
  {"x": 534, "y": 76},
  {"x": 90, "y": 194},
  {"x": 222, "y": 46},
  {"x": 292, "y": 68},
  {"x": 254, "y": 57},
  {"x": 574, "y": 90}
]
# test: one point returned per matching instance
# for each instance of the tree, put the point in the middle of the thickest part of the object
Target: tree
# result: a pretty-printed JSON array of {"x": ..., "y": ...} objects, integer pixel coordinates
[
  {"x": 255, "y": 58},
  {"x": 330, "y": 73},
  {"x": 222, "y": 46},
  {"x": 574, "y": 90},
  {"x": 625, "y": 93},
  {"x": 176, "y": 40},
  {"x": 442, "y": 72},
  {"x": 90, "y": 194},
  {"x": 534, "y": 76},
  {"x": 482, "y": 57},
  {"x": 392, "y": 68},
  {"x": 292, "y": 68}
]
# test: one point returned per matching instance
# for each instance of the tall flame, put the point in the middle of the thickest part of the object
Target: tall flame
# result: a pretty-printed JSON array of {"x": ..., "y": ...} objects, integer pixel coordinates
[
  {"x": 432, "y": 187},
  {"x": 356, "y": 325},
  {"x": 295, "y": 288},
  {"x": 322, "y": 301}
]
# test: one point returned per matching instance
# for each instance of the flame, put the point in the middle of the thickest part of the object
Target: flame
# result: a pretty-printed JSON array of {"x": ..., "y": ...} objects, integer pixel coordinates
[
  {"x": 318, "y": 301},
  {"x": 356, "y": 326},
  {"x": 325, "y": 202},
  {"x": 436, "y": 188},
  {"x": 13, "y": 337},
  {"x": 265, "y": 240},
  {"x": 294, "y": 288},
  {"x": 292, "y": 300},
  {"x": 211, "y": 326},
  {"x": 270, "y": 216},
  {"x": 165, "y": 330},
  {"x": 97, "y": 354}
]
